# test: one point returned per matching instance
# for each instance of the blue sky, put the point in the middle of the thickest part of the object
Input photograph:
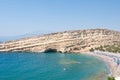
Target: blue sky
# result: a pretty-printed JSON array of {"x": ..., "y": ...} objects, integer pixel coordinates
[{"x": 19, "y": 17}]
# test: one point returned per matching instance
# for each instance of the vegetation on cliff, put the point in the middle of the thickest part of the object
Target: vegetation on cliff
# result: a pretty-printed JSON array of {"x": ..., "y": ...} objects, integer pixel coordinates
[
  {"x": 110, "y": 78},
  {"x": 67, "y": 41},
  {"x": 110, "y": 48}
]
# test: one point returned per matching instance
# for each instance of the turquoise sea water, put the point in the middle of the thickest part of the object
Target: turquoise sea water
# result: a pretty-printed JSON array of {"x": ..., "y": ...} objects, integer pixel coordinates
[{"x": 51, "y": 66}]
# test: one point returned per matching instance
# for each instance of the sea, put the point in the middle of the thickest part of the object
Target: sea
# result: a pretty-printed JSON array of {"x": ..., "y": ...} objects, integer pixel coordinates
[{"x": 51, "y": 66}]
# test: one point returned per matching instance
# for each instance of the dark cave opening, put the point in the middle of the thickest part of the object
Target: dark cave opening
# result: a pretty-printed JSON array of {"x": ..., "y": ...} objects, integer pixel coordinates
[{"x": 50, "y": 50}]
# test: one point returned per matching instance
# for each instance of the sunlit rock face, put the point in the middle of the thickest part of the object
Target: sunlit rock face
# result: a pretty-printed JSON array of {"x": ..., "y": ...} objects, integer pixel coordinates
[{"x": 67, "y": 41}]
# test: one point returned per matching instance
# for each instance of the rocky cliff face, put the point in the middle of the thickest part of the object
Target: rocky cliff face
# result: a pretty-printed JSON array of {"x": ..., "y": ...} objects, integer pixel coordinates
[{"x": 67, "y": 41}]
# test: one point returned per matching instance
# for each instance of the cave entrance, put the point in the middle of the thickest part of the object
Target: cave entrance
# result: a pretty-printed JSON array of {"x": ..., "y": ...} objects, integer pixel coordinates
[{"x": 50, "y": 50}]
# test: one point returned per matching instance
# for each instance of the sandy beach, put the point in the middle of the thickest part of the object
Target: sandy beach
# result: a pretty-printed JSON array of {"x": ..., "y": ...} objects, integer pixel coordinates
[{"x": 111, "y": 59}]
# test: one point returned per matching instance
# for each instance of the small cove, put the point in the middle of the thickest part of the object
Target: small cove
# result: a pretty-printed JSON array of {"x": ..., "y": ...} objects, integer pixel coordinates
[{"x": 51, "y": 66}]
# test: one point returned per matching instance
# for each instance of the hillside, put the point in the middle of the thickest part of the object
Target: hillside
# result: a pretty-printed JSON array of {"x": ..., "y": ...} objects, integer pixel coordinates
[{"x": 67, "y": 41}]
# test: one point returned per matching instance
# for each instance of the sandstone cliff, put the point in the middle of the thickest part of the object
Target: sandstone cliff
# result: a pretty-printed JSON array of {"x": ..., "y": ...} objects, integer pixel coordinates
[{"x": 67, "y": 41}]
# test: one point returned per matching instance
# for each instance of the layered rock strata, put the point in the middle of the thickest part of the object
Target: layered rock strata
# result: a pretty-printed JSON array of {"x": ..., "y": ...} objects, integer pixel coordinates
[{"x": 67, "y": 41}]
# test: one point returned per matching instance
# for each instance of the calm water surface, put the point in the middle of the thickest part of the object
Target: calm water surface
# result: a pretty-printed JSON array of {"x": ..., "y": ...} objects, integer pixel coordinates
[{"x": 51, "y": 66}]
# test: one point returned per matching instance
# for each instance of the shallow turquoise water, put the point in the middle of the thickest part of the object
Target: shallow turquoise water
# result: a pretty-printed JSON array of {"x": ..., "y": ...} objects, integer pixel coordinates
[{"x": 51, "y": 66}]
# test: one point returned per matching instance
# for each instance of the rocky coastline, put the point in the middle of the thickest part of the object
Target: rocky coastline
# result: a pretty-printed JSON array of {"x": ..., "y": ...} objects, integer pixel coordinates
[
  {"x": 67, "y": 41},
  {"x": 71, "y": 41}
]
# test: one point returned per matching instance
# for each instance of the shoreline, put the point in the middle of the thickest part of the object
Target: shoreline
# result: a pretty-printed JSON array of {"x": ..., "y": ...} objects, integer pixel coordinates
[{"x": 109, "y": 59}]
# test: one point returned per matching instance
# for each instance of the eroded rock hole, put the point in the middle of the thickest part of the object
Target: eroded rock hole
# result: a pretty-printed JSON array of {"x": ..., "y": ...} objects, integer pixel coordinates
[{"x": 50, "y": 50}]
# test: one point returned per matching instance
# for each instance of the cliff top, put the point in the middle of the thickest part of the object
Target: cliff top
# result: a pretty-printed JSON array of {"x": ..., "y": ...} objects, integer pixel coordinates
[{"x": 84, "y": 31}]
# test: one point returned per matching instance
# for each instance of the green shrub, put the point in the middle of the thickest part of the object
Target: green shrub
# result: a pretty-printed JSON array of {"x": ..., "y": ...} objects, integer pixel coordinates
[
  {"x": 109, "y": 48},
  {"x": 110, "y": 78},
  {"x": 91, "y": 50}
]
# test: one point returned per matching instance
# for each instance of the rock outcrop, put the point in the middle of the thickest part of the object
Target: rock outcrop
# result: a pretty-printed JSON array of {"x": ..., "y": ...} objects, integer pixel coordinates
[{"x": 67, "y": 41}]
